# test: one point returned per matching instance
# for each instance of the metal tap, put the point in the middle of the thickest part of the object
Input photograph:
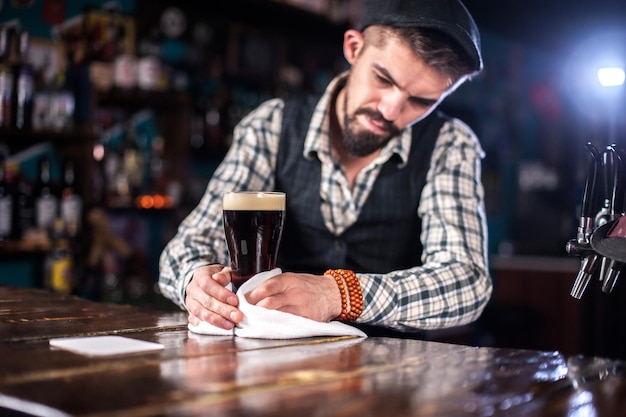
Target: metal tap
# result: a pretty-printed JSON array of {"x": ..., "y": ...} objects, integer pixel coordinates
[
  {"x": 581, "y": 246},
  {"x": 617, "y": 206},
  {"x": 592, "y": 244},
  {"x": 607, "y": 212}
]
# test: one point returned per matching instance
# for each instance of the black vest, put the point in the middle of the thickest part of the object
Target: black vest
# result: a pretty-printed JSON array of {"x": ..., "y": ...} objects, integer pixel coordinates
[{"x": 386, "y": 234}]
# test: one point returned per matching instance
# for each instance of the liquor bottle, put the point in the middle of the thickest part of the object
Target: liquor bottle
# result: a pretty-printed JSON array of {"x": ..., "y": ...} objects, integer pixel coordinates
[
  {"x": 132, "y": 160},
  {"x": 98, "y": 182},
  {"x": 46, "y": 204},
  {"x": 115, "y": 178},
  {"x": 71, "y": 203},
  {"x": 59, "y": 263},
  {"x": 6, "y": 78},
  {"x": 23, "y": 86},
  {"x": 24, "y": 209},
  {"x": 156, "y": 174},
  {"x": 6, "y": 203}
]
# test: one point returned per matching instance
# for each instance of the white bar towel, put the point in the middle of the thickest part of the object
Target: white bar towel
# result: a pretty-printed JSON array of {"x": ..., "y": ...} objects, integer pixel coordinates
[{"x": 262, "y": 323}]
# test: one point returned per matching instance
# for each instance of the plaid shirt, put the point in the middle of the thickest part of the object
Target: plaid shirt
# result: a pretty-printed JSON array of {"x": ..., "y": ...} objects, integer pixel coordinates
[{"x": 452, "y": 286}]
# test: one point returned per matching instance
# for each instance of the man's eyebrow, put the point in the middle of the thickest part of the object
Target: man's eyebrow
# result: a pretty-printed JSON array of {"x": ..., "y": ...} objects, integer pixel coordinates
[
  {"x": 386, "y": 73},
  {"x": 423, "y": 100}
]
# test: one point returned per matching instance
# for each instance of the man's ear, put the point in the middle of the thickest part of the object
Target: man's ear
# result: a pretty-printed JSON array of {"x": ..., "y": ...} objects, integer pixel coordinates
[{"x": 352, "y": 45}]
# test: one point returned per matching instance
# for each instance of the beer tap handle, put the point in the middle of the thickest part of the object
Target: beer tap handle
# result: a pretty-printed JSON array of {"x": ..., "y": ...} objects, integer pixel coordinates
[
  {"x": 588, "y": 258},
  {"x": 607, "y": 212},
  {"x": 621, "y": 187},
  {"x": 588, "y": 204},
  {"x": 614, "y": 267},
  {"x": 589, "y": 193},
  {"x": 612, "y": 172}
]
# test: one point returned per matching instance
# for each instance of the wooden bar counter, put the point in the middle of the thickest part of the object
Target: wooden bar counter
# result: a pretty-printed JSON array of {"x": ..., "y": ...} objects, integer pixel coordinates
[{"x": 196, "y": 375}]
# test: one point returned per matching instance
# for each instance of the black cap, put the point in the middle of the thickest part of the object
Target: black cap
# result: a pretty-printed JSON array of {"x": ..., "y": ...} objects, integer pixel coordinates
[{"x": 448, "y": 16}]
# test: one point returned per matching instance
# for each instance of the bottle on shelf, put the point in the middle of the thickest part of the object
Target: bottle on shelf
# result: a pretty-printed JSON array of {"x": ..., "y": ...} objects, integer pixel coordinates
[
  {"x": 6, "y": 203},
  {"x": 23, "y": 209},
  {"x": 23, "y": 86},
  {"x": 116, "y": 178},
  {"x": 70, "y": 202},
  {"x": 59, "y": 263},
  {"x": 46, "y": 204},
  {"x": 157, "y": 178},
  {"x": 133, "y": 160},
  {"x": 6, "y": 78},
  {"x": 97, "y": 180}
]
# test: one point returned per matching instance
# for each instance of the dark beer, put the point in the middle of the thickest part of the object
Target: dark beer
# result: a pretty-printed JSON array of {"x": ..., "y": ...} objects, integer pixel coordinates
[{"x": 253, "y": 224}]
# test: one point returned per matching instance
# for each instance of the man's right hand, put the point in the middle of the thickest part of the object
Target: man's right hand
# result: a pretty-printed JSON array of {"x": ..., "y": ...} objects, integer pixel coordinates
[{"x": 208, "y": 300}]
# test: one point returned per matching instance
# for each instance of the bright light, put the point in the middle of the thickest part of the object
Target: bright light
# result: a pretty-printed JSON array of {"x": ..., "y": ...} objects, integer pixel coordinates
[{"x": 611, "y": 76}]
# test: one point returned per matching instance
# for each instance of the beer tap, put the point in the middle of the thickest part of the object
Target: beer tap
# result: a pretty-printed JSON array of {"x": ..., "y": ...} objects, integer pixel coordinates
[
  {"x": 581, "y": 245},
  {"x": 607, "y": 212},
  {"x": 617, "y": 207}
]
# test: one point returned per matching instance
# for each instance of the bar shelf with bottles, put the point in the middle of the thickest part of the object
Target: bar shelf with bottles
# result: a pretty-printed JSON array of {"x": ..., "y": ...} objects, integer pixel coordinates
[
  {"x": 34, "y": 212},
  {"x": 139, "y": 148},
  {"x": 141, "y": 118},
  {"x": 29, "y": 135},
  {"x": 31, "y": 103}
]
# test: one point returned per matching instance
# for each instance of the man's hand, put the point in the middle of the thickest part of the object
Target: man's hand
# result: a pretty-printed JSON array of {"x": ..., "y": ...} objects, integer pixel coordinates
[
  {"x": 208, "y": 300},
  {"x": 311, "y": 296}
]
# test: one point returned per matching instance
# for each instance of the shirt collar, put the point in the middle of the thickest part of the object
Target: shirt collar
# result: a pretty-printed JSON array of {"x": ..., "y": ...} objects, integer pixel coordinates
[{"x": 317, "y": 138}]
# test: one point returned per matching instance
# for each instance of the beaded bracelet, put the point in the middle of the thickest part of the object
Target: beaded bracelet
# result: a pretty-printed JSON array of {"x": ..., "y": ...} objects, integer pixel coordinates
[{"x": 350, "y": 289}]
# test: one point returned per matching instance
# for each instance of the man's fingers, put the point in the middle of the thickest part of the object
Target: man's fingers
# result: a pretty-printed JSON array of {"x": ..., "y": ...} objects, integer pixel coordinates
[
  {"x": 207, "y": 300},
  {"x": 200, "y": 314}
]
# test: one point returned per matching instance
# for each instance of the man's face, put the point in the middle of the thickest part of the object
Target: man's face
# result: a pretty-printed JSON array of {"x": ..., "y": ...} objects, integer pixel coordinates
[{"x": 388, "y": 89}]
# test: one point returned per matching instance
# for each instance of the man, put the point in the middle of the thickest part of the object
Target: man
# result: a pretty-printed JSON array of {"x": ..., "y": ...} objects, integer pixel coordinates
[{"x": 385, "y": 221}]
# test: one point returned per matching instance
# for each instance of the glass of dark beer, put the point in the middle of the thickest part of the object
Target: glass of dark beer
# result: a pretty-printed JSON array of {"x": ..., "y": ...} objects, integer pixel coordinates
[{"x": 253, "y": 224}]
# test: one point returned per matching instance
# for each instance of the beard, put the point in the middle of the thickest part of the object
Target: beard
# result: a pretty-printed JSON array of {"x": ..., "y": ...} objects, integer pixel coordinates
[{"x": 361, "y": 143}]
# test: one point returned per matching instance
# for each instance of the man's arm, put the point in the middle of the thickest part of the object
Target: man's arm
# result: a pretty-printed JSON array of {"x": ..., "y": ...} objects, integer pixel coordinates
[
  {"x": 248, "y": 165},
  {"x": 198, "y": 242},
  {"x": 452, "y": 286}
]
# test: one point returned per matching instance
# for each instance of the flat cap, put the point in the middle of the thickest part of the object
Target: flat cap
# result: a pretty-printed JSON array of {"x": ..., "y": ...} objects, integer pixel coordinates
[{"x": 448, "y": 16}]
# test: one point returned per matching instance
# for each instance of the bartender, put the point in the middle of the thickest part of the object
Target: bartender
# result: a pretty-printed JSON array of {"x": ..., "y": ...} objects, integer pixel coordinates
[{"x": 385, "y": 219}]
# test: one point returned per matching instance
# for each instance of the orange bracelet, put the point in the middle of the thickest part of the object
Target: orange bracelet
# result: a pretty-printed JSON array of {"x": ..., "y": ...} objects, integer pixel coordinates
[
  {"x": 346, "y": 278},
  {"x": 342, "y": 291}
]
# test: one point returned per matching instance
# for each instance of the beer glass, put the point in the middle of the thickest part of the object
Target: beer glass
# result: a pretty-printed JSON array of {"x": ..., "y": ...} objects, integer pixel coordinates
[{"x": 253, "y": 225}]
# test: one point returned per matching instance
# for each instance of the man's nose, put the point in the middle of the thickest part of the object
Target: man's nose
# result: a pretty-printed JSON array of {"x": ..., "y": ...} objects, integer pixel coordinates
[{"x": 391, "y": 105}]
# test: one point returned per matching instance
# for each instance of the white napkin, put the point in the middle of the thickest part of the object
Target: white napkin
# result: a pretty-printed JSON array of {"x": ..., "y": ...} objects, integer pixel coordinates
[{"x": 262, "y": 323}]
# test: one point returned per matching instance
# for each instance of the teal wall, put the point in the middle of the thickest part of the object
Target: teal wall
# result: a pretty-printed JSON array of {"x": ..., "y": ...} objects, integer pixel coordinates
[{"x": 20, "y": 273}]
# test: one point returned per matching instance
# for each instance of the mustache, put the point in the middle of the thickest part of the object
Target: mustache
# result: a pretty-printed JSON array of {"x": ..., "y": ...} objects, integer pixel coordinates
[{"x": 377, "y": 117}]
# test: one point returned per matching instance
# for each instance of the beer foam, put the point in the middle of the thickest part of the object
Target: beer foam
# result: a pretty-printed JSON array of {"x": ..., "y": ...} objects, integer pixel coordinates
[{"x": 253, "y": 200}]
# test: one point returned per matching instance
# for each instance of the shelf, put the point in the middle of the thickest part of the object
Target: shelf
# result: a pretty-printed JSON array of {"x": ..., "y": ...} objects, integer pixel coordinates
[
  {"x": 13, "y": 250},
  {"x": 139, "y": 99},
  {"x": 29, "y": 137}
]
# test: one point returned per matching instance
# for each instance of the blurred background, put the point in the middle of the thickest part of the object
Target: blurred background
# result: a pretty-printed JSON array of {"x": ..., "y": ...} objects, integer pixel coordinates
[{"x": 127, "y": 106}]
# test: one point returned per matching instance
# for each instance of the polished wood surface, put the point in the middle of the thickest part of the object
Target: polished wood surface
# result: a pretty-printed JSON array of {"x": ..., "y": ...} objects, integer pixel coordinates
[{"x": 199, "y": 375}]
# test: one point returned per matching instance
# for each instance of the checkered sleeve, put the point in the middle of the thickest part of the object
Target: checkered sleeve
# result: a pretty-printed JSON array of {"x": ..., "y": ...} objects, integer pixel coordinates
[
  {"x": 248, "y": 165},
  {"x": 452, "y": 286}
]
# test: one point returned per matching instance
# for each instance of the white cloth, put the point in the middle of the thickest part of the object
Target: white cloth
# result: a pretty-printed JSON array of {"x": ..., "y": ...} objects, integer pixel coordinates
[{"x": 262, "y": 323}]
